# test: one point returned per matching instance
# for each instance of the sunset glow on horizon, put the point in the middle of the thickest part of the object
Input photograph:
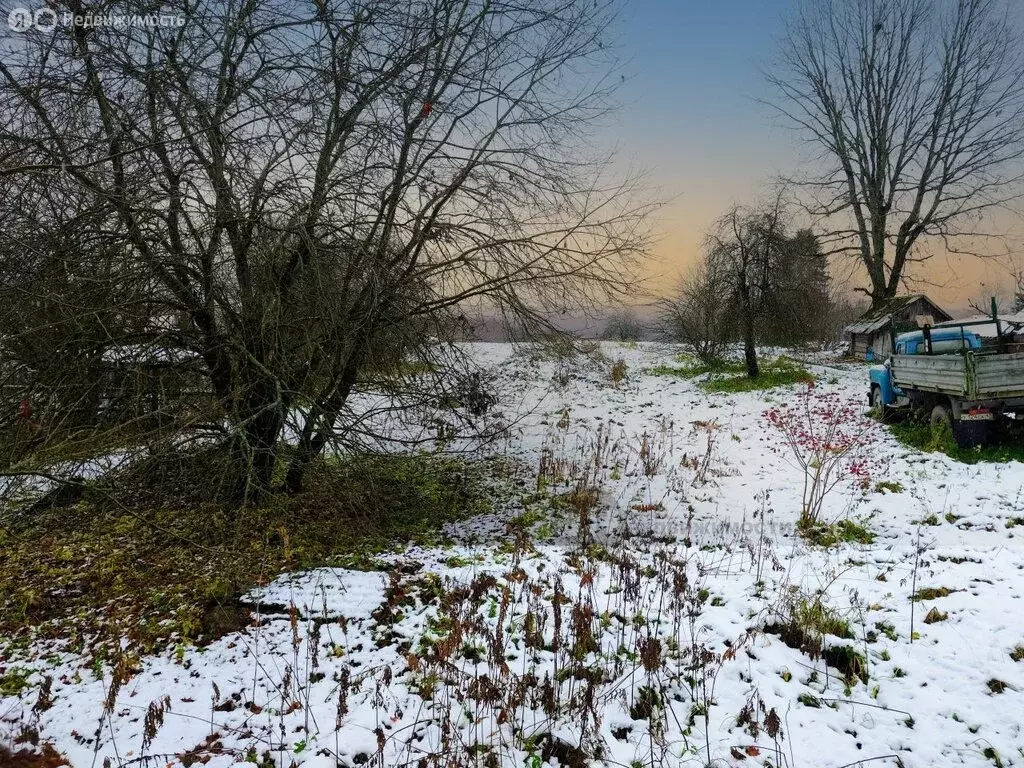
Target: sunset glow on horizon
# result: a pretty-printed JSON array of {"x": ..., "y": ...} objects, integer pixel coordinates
[{"x": 694, "y": 115}]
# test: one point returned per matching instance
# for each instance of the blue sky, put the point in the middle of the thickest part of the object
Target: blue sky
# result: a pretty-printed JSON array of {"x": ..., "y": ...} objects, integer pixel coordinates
[
  {"x": 691, "y": 113},
  {"x": 695, "y": 69}
]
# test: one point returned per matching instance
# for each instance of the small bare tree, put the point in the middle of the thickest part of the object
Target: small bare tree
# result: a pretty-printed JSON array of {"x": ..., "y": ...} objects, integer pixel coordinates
[
  {"x": 623, "y": 325},
  {"x": 1016, "y": 270},
  {"x": 697, "y": 316},
  {"x": 1018, "y": 292},
  {"x": 312, "y": 190},
  {"x": 916, "y": 110}
]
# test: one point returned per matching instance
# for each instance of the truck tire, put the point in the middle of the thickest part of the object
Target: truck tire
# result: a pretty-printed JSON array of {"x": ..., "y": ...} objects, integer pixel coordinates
[
  {"x": 878, "y": 404},
  {"x": 941, "y": 417}
]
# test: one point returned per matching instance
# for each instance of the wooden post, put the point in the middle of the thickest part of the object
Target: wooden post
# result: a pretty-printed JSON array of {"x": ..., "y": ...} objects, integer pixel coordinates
[{"x": 999, "y": 326}]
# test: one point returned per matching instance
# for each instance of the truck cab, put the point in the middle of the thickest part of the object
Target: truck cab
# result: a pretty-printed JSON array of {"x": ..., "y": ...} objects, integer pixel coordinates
[{"x": 936, "y": 341}]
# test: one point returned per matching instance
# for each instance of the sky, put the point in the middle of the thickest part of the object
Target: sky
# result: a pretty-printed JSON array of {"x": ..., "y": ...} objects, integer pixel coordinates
[{"x": 692, "y": 117}]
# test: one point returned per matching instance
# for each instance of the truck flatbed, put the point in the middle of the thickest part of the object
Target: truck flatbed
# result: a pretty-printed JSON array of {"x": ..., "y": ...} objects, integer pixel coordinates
[{"x": 971, "y": 375}]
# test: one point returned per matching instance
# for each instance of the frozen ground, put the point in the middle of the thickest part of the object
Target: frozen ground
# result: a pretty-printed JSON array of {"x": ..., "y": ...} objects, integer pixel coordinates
[{"x": 636, "y": 638}]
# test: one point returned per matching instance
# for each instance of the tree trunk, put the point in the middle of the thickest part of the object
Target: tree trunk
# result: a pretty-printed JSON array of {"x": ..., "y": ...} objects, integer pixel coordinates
[
  {"x": 314, "y": 439},
  {"x": 749, "y": 344},
  {"x": 260, "y": 420},
  {"x": 309, "y": 448},
  {"x": 750, "y": 348},
  {"x": 880, "y": 287},
  {"x": 263, "y": 441}
]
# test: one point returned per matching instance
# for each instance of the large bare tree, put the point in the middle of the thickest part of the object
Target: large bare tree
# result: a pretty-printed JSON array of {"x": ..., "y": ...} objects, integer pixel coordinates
[
  {"x": 743, "y": 252},
  {"x": 915, "y": 108},
  {"x": 310, "y": 189}
]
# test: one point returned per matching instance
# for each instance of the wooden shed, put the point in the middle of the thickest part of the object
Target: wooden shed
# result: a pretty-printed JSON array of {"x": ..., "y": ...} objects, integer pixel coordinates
[{"x": 870, "y": 338}]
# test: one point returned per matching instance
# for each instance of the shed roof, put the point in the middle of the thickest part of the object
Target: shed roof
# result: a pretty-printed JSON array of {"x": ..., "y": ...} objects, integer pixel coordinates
[
  {"x": 1011, "y": 323},
  {"x": 877, "y": 318}
]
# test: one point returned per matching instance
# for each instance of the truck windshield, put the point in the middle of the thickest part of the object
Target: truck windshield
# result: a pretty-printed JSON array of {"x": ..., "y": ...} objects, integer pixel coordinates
[{"x": 950, "y": 345}]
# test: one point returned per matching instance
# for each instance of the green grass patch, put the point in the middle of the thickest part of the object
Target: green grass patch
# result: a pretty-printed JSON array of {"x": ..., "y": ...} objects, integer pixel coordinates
[
  {"x": 845, "y": 658},
  {"x": 918, "y": 434},
  {"x": 814, "y": 615},
  {"x": 731, "y": 375},
  {"x": 830, "y": 534},
  {"x": 13, "y": 681},
  {"x": 887, "y": 486},
  {"x": 115, "y": 565},
  {"x": 934, "y": 616},
  {"x": 932, "y": 593},
  {"x": 887, "y": 629},
  {"x": 692, "y": 368},
  {"x": 989, "y": 753},
  {"x": 809, "y": 701},
  {"x": 809, "y": 620},
  {"x": 781, "y": 372}
]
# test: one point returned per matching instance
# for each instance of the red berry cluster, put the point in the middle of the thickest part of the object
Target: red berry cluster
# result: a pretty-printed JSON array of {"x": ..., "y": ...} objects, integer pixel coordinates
[{"x": 827, "y": 436}]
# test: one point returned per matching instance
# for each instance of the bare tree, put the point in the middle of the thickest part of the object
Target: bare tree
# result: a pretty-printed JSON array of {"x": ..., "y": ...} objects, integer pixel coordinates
[
  {"x": 1016, "y": 270},
  {"x": 743, "y": 251},
  {"x": 313, "y": 190},
  {"x": 697, "y": 316},
  {"x": 916, "y": 109},
  {"x": 623, "y": 325},
  {"x": 1018, "y": 292},
  {"x": 842, "y": 311}
]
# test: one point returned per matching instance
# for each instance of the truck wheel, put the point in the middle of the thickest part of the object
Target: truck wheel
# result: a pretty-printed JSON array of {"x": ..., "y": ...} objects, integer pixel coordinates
[
  {"x": 878, "y": 404},
  {"x": 941, "y": 420}
]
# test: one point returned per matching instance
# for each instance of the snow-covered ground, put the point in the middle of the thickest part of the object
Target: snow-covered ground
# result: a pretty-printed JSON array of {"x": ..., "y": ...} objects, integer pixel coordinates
[{"x": 635, "y": 640}]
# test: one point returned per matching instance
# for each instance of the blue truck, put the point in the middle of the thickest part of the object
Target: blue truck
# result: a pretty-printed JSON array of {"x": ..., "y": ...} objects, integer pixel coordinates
[{"x": 951, "y": 375}]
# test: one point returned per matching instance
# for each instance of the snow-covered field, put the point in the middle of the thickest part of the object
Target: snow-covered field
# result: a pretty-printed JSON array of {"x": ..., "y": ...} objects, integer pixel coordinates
[{"x": 634, "y": 640}]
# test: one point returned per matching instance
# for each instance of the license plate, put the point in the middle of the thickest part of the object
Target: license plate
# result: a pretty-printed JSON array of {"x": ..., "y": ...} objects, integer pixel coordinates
[{"x": 977, "y": 416}]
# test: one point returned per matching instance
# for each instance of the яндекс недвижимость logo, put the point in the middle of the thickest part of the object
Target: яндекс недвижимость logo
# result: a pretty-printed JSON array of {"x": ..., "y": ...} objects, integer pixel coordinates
[{"x": 23, "y": 19}]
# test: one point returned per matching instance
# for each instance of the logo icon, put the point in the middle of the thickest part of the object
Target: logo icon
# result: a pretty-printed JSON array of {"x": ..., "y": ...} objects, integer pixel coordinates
[
  {"x": 20, "y": 19},
  {"x": 45, "y": 19}
]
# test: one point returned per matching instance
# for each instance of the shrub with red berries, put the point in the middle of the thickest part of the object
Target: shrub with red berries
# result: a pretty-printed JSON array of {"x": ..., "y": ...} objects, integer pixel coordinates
[{"x": 827, "y": 436}]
